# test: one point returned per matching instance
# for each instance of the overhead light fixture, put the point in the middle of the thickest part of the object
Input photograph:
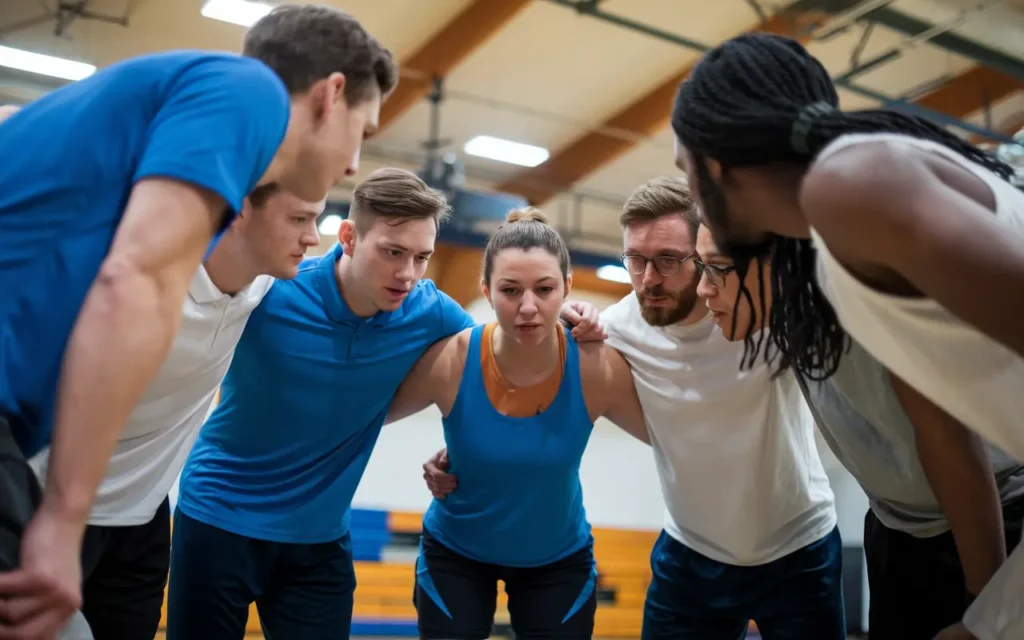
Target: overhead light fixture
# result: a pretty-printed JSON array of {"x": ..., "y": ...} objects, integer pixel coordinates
[
  {"x": 524, "y": 155},
  {"x": 244, "y": 13},
  {"x": 330, "y": 225},
  {"x": 44, "y": 65},
  {"x": 613, "y": 273}
]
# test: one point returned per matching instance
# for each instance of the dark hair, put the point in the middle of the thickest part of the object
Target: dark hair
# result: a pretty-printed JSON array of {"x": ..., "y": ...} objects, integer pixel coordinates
[
  {"x": 759, "y": 99},
  {"x": 397, "y": 194},
  {"x": 259, "y": 196},
  {"x": 304, "y": 44},
  {"x": 526, "y": 228},
  {"x": 658, "y": 198}
]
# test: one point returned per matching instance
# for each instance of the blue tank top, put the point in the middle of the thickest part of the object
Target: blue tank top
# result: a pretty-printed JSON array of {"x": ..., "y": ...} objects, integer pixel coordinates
[{"x": 519, "y": 501}]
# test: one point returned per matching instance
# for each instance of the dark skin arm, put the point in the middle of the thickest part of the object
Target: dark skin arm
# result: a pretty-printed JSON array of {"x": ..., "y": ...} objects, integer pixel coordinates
[
  {"x": 959, "y": 471},
  {"x": 907, "y": 222}
]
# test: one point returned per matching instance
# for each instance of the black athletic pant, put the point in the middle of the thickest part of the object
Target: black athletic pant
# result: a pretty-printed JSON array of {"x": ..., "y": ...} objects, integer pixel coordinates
[
  {"x": 917, "y": 584},
  {"x": 455, "y": 597},
  {"x": 19, "y": 497},
  {"x": 124, "y": 572}
]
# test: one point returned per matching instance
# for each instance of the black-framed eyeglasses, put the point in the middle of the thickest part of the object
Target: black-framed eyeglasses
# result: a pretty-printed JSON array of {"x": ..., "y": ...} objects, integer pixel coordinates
[
  {"x": 716, "y": 274},
  {"x": 664, "y": 265}
]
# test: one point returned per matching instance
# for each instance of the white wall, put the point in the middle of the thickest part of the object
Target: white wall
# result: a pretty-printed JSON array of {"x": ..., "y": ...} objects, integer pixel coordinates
[{"x": 620, "y": 484}]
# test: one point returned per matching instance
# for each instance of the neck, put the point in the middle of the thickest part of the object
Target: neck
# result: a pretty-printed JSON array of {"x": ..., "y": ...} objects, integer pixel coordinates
[
  {"x": 698, "y": 313},
  {"x": 525, "y": 361},
  {"x": 230, "y": 266},
  {"x": 348, "y": 287},
  {"x": 779, "y": 200}
]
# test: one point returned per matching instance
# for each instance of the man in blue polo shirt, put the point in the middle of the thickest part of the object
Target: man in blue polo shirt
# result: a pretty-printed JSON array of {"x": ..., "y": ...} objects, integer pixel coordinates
[
  {"x": 263, "y": 500},
  {"x": 120, "y": 183}
]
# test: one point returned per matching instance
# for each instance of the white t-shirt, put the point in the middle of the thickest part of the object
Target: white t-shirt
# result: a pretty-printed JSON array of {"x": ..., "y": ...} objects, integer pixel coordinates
[
  {"x": 742, "y": 479},
  {"x": 972, "y": 377},
  {"x": 164, "y": 425}
]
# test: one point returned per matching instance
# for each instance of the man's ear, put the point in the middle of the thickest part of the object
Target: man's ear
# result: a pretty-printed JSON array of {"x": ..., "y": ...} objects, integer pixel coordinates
[{"x": 347, "y": 236}]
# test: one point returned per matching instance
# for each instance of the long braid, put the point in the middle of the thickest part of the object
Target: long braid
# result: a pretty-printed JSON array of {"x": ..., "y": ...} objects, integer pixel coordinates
[{"x": 741, "y": 106}]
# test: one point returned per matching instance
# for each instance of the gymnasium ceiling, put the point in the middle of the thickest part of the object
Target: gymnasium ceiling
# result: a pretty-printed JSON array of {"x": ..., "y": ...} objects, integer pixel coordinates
[{"x": 589, "y": 81}]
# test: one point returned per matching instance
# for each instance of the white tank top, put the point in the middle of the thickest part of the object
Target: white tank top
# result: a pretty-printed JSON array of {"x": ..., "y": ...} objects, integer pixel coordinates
[{"x": 972, "y": 377}]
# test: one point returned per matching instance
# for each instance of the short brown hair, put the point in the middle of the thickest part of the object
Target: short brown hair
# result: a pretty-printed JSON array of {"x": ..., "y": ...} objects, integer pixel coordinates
[
  {"x": 306, "y": 43},
  {"x": 526, "y": 228},
  {"x": 397, "y": 194},
  {"x": 259, "y": 196},
  {"x": 658, "y": 198}
]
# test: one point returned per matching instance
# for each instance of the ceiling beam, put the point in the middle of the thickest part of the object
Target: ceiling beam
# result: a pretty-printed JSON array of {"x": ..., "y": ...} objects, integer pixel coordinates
[
  {"x": 643, "y": 118},
  {"x": 970, "y": 91},
  {"x": 446, "y": 49},
  {"x": 961, "y": 96}
]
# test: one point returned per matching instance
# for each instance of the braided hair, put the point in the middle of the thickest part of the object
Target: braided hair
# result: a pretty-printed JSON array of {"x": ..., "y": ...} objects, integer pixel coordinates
[{"x": 759, "y": 99}]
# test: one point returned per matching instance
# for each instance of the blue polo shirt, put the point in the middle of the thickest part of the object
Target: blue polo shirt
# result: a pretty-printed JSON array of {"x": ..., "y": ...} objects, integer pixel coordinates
[
  {"x": 302, "y": 405},
  {"x": 70, "y": 160}
]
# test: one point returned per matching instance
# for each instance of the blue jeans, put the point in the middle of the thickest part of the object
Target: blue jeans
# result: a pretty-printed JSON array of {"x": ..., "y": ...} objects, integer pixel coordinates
[
  {"x": 301, "y": 591},
  {"x": 797, "y": 597}
]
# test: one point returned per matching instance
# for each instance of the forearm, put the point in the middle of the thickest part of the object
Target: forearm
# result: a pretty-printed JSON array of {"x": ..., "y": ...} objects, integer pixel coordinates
[
  {"x": 956, "y": 464},
  {"x": 123, "y": 333},
  {"x": 967, "y": 493}
]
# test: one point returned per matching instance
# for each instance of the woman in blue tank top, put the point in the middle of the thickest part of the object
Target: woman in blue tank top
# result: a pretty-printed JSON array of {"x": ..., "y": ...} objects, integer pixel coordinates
[{"x": 519, "y": 401}]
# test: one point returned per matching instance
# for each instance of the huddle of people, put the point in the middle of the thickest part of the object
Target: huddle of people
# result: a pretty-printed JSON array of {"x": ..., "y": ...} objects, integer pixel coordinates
[{"x": 853, "y": 271}]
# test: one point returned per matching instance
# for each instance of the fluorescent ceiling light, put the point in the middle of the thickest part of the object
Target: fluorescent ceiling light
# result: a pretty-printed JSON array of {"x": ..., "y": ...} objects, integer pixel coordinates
[
  {"x": 524, "y": 155},
  {"x": 613, "y": 273},
  {"x": 44, "y": 65},
  {"x": 244, "y": 13},
  {"x": 330, "y": 225}
]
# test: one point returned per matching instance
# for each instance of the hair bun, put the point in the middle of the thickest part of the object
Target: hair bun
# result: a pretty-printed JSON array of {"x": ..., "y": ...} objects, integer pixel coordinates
[{"x": 527, "y": 214}]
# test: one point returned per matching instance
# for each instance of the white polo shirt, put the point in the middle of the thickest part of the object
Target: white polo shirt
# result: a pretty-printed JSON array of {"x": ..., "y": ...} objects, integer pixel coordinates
[
  {"x": 161, "y": 430},
  {"x": 742, "y": 480}
]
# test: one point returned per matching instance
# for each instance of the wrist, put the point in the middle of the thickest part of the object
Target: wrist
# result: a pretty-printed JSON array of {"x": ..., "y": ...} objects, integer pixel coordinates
[{"x": 69, "y": 509}]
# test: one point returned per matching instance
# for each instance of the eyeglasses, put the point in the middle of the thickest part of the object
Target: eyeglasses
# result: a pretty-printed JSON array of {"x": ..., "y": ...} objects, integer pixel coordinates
[
  {"x": 664, "y": 265},
  {"x": 716, "y": 275}
]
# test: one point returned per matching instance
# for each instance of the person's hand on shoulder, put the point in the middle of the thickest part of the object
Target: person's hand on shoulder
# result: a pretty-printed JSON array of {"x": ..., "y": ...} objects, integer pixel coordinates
[
  {"x": 585, "y": 321},
  {"x": 435, "y": 473}
]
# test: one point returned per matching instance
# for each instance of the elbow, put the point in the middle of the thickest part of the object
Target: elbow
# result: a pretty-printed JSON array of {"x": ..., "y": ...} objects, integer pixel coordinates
[{"x": 123, "y": 291}]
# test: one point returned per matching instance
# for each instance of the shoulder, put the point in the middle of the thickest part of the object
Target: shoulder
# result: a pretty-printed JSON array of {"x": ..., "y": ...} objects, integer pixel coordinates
[
  {"x": 222, "y": 67},
  {"x": 865, "y": 191},
  {"x": 618, "y": 316},
  {"x": 446, "y": 357},
  {"x": 225, "y": 84},
  {"x": 871, "y": 170},
  {"x": 430, "y": 303},
  {"x": 598, "y": 362}
]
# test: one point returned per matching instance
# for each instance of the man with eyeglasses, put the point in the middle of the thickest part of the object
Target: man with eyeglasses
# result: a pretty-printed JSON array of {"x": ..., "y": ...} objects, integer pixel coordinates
[{"x": 750, "y": 527}]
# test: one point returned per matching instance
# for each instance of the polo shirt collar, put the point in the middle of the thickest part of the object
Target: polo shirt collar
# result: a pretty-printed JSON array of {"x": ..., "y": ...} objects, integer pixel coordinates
[
  {"x": 203, "y": 291},
  {"x": 335, "y": 306},
  {"x": 202, "y": 288}
]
